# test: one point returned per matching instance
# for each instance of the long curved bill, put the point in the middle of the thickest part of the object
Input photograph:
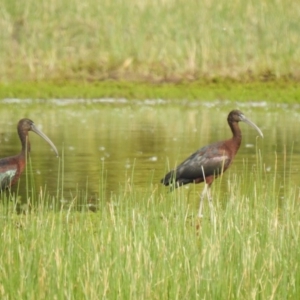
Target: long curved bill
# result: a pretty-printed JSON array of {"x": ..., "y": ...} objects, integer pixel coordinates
[
  {"x": 244, "y": 119},
  {"x": 41, "y": 134}
]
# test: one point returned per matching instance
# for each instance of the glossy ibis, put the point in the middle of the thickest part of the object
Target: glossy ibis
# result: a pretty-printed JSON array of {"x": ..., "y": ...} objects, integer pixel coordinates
[
  {"x": 210, "y": 161},
  {"x": 12, "y": 167}
]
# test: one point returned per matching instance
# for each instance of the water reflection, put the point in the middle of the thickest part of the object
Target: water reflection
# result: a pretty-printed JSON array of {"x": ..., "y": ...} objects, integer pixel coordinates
[{"x": 139, "y": 140}]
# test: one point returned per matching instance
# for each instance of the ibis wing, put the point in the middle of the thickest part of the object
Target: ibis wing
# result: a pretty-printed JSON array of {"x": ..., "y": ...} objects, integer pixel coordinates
[
  {"x": 212, "y": 159},
  {"x": 6, "y": 178},
  {"x": 192, "y": 168},
  {"x": 7, "y": 173}
]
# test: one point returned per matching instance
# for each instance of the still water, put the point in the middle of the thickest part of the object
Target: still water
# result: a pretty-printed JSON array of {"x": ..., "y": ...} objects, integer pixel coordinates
[{"x": 139, "y": 141}]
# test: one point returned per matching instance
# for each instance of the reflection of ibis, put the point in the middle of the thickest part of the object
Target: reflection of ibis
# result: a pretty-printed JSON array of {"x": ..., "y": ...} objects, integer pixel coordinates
[
  {"x": 210, "y": 161},
  {"x": 12, "y": 167}
]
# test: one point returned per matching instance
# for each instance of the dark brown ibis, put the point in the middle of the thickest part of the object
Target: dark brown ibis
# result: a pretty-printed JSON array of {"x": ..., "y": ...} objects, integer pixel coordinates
[
  {"x": 12, "y": 167},
  {"x": 211, "y": 161}
]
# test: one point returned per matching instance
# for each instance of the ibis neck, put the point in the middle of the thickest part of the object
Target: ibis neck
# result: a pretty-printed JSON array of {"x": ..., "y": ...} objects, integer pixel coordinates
[
  {"x": 236, "y": 131},
  {"x": 24, "y": 141}
]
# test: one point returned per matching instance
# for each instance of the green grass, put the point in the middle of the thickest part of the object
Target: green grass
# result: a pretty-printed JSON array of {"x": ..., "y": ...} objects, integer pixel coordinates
[
  {"x": 157, "y": 41},
  {"x": 150, "y": 245},
  {"x": 279, "y": 91}
]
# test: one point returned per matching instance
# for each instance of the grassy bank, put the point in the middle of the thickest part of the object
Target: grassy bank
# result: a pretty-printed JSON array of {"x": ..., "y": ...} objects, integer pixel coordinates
[
  {"x": 150, "y": 245},
  {"x": 279, "y": 91},
  {"x": 152, "y": 41}
]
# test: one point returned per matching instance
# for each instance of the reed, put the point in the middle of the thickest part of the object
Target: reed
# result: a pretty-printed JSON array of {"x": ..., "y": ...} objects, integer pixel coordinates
[
  {"x": 149, "y": 244},
  {"x": 167, "y": 40}
]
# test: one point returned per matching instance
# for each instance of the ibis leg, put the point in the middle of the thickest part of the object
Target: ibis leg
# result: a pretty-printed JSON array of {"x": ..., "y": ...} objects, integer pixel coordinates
[
  {"x": 211, "y": 207},
  {"x": 206, "y": 192}
]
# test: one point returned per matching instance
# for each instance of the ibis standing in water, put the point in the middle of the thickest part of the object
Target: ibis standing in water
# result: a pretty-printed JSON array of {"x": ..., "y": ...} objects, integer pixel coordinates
[
  {"x": 211, "y": 161},
  {"x": 12, "y": 167}
]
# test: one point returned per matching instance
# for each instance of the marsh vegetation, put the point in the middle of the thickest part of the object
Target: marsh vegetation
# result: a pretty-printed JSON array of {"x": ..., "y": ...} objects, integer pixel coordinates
[{"x": 147, "y": 40}]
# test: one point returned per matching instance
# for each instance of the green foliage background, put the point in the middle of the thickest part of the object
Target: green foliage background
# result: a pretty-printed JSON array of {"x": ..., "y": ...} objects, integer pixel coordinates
[{"x": 149, "y": 40}]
